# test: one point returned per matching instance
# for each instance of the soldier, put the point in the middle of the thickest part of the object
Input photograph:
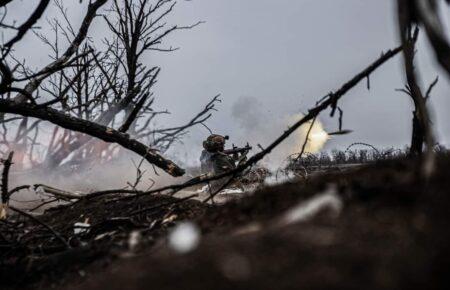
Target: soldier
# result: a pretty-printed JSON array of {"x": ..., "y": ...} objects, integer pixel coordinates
[
  {"x": 216, "y": 160},
  {"x": 213, "y": 159}
]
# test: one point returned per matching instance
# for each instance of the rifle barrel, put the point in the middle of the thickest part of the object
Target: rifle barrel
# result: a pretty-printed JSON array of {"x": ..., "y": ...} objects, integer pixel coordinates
[{"x": 237, "y": 150}]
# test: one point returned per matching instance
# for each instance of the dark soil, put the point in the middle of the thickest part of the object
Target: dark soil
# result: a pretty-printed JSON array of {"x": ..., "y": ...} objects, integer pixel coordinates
[{"x": 391, "y": 234}]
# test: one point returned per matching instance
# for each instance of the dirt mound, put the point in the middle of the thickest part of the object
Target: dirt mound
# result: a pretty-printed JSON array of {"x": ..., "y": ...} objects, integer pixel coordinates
[
  {"x": 96, "y": 231},
  {"x": 391, "y": 233}
]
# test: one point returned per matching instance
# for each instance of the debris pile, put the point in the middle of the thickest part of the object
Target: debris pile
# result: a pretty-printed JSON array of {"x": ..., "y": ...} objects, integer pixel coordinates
[{"x": 70, "y": 236}]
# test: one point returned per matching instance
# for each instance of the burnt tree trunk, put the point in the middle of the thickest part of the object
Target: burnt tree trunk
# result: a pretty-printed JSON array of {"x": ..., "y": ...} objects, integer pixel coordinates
[{"x": 417, "y": 138}]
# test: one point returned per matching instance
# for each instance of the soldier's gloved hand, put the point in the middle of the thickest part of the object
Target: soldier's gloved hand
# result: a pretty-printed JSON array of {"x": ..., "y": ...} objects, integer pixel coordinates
[{"x": 243, "y": 160}]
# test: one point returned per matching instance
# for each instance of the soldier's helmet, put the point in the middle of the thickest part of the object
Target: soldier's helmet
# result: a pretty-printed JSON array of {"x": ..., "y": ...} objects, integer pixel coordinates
[{"x": 214, "y": 142}]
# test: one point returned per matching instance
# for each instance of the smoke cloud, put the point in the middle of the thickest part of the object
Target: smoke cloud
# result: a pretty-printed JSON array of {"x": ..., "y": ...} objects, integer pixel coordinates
[
  {"x": 261, "y": 127},
  {"x": 115, "y": 174},
  {"x": 256, "y": 126}
]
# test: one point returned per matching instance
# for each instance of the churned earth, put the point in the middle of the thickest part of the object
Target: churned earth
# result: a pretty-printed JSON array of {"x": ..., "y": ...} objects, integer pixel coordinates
[{"x": 374, "y": 227}]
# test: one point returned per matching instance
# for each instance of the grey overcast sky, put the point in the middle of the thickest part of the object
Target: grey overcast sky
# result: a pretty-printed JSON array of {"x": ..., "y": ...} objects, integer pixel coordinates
[{"x": 282, "y": 55}]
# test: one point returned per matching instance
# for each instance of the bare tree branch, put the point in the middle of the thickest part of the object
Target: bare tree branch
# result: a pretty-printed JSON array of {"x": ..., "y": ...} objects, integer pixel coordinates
[
  {"x": 59, "y": 63},
  {"x": 427, "y": 14},
  {"x": 50, "y": 229},
  {"x": 329, "y": 101},
  {"x": 22, "y": 30},
  {"x": 430, "y": 88},
  {"x": 104, "y": 133}
]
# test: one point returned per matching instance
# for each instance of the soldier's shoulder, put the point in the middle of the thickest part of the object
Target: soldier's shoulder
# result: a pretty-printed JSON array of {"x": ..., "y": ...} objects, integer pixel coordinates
[{"x": 219, "y": 156}]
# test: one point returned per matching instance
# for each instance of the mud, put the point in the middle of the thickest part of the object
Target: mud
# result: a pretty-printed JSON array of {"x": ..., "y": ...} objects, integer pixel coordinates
[{"x": 392, "y": 233}]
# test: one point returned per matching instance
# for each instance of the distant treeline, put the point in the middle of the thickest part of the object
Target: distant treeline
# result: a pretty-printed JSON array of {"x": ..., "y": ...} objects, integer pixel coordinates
[{"x": 357, "y": 153}]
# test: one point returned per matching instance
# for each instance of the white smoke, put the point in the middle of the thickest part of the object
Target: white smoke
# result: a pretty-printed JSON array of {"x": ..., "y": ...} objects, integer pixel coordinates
[
  {"x": 259, "y": 126},
  {"x": 116, "y": 174}
]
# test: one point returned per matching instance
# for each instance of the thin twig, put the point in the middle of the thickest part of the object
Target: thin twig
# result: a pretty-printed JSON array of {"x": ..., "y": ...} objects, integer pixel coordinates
[
  {"x": 178, "y": 200},
  {"x": 306, "y": 139},
  {"x": 329, "y": 101},
  {"x": 50, "y": 229}
]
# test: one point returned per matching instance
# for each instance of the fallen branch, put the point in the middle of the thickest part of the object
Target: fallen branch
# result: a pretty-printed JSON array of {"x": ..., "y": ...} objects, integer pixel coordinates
[
  {"x": 58, "y": 193},
  {"x": 329, "y": 101},
  {"x": 138, "y": 212},
  {"x": 95, "y": 130},
  {"x": 17, "y": 189},
  {"x": 43, "y": 204}
]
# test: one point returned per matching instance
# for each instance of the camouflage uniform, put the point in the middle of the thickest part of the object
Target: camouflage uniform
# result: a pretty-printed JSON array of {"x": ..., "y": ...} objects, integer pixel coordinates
[
  {"x": 222, "y": 163},
  {"x": 205, "y": 162},
  {"x": 214, "y": 161}
]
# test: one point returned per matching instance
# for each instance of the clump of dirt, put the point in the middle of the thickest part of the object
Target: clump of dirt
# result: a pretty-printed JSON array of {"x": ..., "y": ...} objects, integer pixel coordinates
[
  {"x": 96, "y": 230},
  {"x": 392, "y": 233}
]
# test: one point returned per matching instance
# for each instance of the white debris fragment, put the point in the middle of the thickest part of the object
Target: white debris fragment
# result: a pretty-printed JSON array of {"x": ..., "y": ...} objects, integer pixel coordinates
[
  {"x": 232, "y": 191},
  {"x": 251, "y": 228},
  {"x": 81, "y": 228},
  {"x": 134, "y": 240},
  {"x": 185, "y": 237},
  {"x": 274, "y": 178},
  {"x": 39, "y": 190},
  {"x": 3, "y": 211},
  {"x": 205, "y": 188},
  {"x": 101, "y": 236},
  {"x": 327, "y": 200},
  {"x": 169, "y": 219}
]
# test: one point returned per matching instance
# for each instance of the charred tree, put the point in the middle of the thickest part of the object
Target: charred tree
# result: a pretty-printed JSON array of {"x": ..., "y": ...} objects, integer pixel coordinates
[
  {"x": 421, "y": 127},
  {"x": 91, "y": 93}
]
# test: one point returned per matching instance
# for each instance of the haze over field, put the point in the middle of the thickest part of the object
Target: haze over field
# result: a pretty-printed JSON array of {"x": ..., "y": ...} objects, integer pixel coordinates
[
  {"x": 284, "y": 54},
  {"x": 107, "y": 107}
]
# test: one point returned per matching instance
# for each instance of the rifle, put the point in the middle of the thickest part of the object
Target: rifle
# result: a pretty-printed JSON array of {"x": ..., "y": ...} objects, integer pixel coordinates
[{"x": 236, "y": 150}]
